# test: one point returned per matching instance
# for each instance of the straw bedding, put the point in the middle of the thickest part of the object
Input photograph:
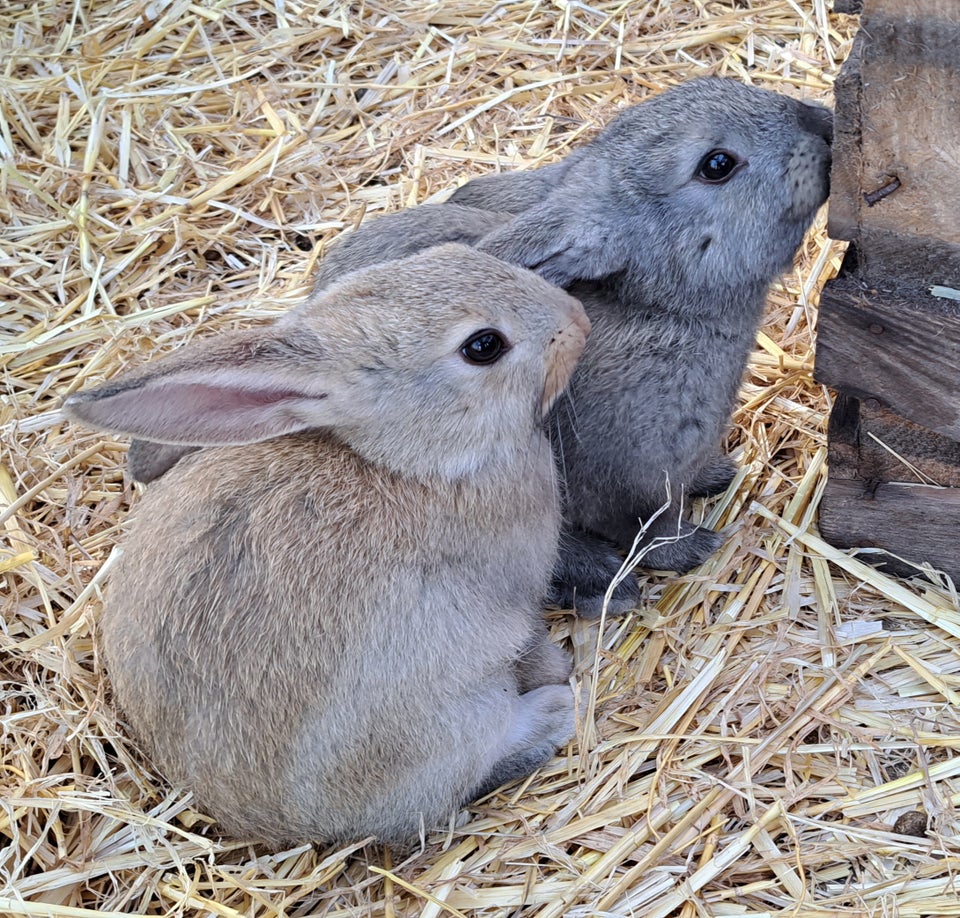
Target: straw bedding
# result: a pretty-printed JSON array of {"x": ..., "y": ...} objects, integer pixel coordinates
[{"x": 771, "y": 734}]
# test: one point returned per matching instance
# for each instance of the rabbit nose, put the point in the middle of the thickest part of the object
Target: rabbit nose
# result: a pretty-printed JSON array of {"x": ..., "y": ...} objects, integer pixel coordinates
[
  {"x": 580, "y": 319},
  {"x": 574, "y": 315},
  {"x": 817, "y": 120}
]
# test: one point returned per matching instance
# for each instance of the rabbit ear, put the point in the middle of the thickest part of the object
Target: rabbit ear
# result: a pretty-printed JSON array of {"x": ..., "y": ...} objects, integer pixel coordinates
[
  {"x": 561, "y": 246},
  {"x": 236, "y": 388},
  {"x": 511, "y": 192}
]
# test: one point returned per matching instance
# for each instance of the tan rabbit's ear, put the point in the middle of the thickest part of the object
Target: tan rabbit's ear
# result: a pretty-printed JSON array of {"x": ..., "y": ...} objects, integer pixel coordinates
[
  {"x": 562, "y": 247},
  {"x": 232, "y": 389}
]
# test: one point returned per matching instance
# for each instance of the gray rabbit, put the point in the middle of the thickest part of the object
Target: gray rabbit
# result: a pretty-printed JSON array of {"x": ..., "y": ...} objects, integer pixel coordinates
[
  {"x": 669, "y": 226},
  {"x": 327, "y": 623}
]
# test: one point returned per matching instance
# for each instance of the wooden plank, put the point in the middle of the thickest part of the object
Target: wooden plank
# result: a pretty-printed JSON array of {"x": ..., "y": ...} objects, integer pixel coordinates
[
  {"x": 895, "y": 449},
  {"x": 890, "y": 348},
  {"x": 870, "y": 443},
  {"x": 919, "y": 523},
  {"x": 909, "y": 99},
  {"x": 880, "y": 345}
]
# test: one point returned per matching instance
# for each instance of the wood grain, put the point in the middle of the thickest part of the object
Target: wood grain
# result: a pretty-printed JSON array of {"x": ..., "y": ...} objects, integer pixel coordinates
[
  {"x": 895, "y": 192},
  {"x": 880, "y": 345},
  {"x": 920, "y": 524},
  {"x": 872, "y": 443}
]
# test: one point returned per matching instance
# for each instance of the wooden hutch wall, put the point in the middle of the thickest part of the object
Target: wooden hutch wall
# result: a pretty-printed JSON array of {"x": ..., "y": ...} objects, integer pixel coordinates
[{"x": 886, "y": 341}]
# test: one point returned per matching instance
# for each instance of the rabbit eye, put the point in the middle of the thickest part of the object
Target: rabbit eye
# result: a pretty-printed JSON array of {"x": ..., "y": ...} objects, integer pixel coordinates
[
  {"x": 485, "y": 346},
  {"x": 717, "y": 166}
]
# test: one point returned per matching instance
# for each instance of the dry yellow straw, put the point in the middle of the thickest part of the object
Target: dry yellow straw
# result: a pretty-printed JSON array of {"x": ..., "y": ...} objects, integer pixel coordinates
[{"x": 172, "y": 168}]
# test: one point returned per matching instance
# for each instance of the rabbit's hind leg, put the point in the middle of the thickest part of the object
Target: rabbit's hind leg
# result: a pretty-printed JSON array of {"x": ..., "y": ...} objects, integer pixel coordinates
[{"x": 543, "y": 721}]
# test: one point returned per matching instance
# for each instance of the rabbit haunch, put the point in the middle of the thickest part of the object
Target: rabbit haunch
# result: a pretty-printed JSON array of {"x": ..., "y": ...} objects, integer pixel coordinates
[
  {"x": 669, "y": 226},
  {"x": 335, "y": 631}
]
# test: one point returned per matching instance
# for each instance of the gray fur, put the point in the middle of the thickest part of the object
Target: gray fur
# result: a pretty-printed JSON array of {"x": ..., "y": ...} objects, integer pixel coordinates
[
  {"x": 327, "y": 622},
  {"x": 673, "y": 273},
  {"x": 514, "y": 192}
]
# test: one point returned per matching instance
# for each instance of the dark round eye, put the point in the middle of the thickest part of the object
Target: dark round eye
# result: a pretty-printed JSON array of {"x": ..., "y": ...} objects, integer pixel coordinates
[
  {"x": 717, "y": 166},
  {"x": 485, "y": 346}
]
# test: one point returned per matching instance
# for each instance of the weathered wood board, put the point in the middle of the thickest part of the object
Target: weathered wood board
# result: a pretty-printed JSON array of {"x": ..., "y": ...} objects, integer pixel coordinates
[
  {"x": 870, "y": 443},
  {"x": 902, "y": 350},
  {"x": 918, "y": 523},
  {"x": 895, "y": 191},
  {"x": 887, "y": 345}
]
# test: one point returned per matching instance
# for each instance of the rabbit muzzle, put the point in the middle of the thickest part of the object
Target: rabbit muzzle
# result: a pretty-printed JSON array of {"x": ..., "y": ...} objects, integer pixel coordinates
[
  {"x": 808, "y": 171},
  {"x": 808, "y": 167},
  {"x": 563, "y": 352}
]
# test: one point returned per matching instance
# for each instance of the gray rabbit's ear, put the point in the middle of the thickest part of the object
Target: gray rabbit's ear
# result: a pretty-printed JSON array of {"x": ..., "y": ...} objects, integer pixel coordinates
[
  {"x": 510, "y": 192},
  {"x": 560, "y": 245},
  {"x": 236, "y": 388},
  {"x": 147, "y": 460},
  {"x": 399, "y": 235}
]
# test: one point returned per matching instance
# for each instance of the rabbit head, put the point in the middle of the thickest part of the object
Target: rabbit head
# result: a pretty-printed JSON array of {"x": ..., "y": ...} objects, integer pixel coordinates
[
  {"x": 394, "y": 360},
  {"x": 710, "y": 184}
]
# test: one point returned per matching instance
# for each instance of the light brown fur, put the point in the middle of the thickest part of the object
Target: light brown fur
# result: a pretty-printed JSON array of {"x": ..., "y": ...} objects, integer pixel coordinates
[{"x": 336, "y": 632}]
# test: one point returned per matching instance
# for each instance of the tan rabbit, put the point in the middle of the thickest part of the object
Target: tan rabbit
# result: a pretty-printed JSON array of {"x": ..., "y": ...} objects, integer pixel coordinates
[{"x": 328, "y": 625}]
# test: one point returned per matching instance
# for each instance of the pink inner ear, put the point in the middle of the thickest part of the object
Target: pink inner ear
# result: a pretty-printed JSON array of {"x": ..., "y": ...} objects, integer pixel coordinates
[
  {"x": 216, "y": 398},
  {"x": 207, "y": 414},
  {"x": 199, "y": 413}
]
